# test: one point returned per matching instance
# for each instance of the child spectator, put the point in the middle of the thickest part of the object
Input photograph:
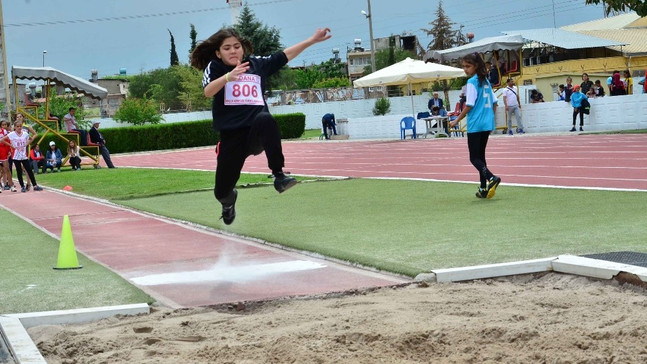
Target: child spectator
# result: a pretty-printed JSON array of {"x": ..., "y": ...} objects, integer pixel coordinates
[
  {"x": 53, "y": 158},
  {"x": 74, "y": 156},
  {"x": 37, "y": 159},
  {"x": 576, "y": 101},
  {"x": 599, "y": 90}
]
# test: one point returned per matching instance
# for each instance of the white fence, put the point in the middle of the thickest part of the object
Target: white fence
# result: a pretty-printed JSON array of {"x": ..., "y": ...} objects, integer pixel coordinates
[{"x": 607, "y": 113}]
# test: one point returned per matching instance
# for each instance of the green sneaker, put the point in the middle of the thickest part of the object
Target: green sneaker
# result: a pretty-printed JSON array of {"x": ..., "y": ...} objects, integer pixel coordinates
[{"x": 492, "y": 185}]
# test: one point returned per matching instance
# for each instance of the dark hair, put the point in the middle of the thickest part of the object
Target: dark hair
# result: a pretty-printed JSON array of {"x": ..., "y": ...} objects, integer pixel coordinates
[
  {"x": 476, "y": 60},
  {"x": 71, "y": 108},
  {"x": 205, "y": 51}
]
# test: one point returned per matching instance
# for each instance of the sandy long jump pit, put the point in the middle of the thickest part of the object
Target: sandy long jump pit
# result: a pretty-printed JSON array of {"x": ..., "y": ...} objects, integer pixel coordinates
[{"x": 544, "y": 317}]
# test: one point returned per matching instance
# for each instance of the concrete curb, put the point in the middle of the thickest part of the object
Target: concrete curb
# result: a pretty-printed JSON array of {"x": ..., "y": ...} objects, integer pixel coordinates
[
  {"x": 13, "y": 326},
  {"x": 569, "y": 264}
]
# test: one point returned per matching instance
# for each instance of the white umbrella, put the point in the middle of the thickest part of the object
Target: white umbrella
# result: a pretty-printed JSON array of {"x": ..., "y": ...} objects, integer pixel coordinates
[{"x": 407, "y": 72}]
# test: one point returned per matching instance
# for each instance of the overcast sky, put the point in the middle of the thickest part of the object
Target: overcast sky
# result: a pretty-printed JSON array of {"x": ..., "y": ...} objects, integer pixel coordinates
[{"x": 80, "y": 35}]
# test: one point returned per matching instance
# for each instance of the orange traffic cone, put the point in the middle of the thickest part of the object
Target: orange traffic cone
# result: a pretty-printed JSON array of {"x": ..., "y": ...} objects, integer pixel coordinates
[{"x": 66, "y": 252}]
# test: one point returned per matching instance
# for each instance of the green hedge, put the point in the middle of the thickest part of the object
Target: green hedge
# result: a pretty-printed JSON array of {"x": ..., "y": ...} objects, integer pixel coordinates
[{"x": 176, "y": 135}]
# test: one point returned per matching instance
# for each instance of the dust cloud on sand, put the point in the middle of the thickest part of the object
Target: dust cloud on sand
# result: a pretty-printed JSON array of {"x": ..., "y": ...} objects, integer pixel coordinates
[{"x": 544, "y": 318}]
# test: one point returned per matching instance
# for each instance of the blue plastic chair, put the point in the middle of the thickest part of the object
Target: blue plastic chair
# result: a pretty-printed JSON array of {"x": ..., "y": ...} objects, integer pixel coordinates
[{"x": 408, "y": 123}]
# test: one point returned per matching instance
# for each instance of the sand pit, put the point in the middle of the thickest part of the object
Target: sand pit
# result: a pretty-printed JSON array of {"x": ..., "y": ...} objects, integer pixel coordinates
[{"x": 545, "y": 318}]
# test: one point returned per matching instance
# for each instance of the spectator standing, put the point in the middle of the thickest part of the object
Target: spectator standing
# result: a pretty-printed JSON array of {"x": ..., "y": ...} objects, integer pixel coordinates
[
  {"x": 97, "y": 139},
  {"x": 5, "y": 154},
  {"x": 74, "y": 156},
  {"x": 435, "y": 101},
  {"x": 53, "y": 158},
  {"x": 37, "y": 159},
  {"x": 629, "y": 83},
  {"x": 643, "y": 83},
  {"x": 561, "y": 93},
  {"x": 617, "y": 85},
  {"x": 599, "y": 90},
  {"x": 20, "y": 140},
  {"x": 576, "y": 102},
  {"x": 512, "y": 106},
  {"x": 568, "y": 89},
  {"x": 479, "y": 109},
  {"x": 328, "y": 122},
  {"x": 586, "y": 84}
]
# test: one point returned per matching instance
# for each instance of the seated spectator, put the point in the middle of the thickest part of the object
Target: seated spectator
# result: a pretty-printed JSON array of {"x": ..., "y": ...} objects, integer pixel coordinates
[
  {"x": 459, "y": 107},
  {"x": 435, "y": 101},
  {"x": 561, "y": 93},
  {"x": 53, "y": 158},
  {"x": 438, "y": 111},
  {"x": 599, "y": 90},
  {"x": 74, "y": 155},
  {"x": 536, "y": 96},
  {"x": 71, "y": 126},
  {"x": 328, "y": 122},
  {"x": 643, "y": 83},
  {"x": 492, "y": 74},
  {"x": 97, "y": 139},
  {"x": 37, "y": 159}
]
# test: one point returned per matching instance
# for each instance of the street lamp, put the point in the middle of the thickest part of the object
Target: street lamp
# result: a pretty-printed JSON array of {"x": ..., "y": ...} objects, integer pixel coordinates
[
  {"x": 370, "y": 29},
  {"x": 44, "y": 52}
]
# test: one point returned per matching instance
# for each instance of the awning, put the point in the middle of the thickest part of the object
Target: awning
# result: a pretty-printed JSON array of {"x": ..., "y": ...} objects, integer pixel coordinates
[
  {"x": 564, "y": 39},
  {"x": 501, "y": 43},
  {"x": 60, "y": 78}
]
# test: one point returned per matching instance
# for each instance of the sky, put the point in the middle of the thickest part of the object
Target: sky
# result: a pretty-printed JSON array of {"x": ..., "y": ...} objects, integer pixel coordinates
[{"x": 107, "y": 35}]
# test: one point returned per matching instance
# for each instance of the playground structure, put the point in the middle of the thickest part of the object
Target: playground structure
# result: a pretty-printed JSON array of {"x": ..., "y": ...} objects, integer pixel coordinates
[{"x": 50, "y": 125}]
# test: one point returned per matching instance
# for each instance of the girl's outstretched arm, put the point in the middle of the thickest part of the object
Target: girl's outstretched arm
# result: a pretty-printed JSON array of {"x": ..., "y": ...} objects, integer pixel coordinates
[{"x": 320, "y": 35}]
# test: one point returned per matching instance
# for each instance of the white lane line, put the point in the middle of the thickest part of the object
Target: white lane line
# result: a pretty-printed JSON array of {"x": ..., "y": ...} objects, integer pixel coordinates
[{"x": 227, "y": 273}]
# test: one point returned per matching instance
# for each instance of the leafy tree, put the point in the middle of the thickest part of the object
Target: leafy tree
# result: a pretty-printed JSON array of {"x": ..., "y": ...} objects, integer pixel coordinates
[
  {"x": 332, "y": 82},
  {"x": 193, "y": 35},
  {"x": 191, "y": 93},
  {"x": 138, "y": 112},
  {"x": 174, "y": 58},
  {"x": 639, "y": 6},
  {"x": 331, "y": 69},
  {"x": 265, "y": 40},
  {"x": 382, "y": 106},
  {"x": 441, "y": 31},
  {"x": 285, "y": 79},
  {"x": 161, "y": 85},
  {"x": 306, "y": 78}
]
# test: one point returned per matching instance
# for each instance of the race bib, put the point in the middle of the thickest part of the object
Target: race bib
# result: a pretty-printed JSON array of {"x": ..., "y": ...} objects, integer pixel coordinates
[{"x": 246, "y": 90}]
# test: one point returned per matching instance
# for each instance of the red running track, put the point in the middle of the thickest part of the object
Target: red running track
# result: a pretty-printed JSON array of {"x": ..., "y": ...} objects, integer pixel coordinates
[{"x": 586, "y": 161}]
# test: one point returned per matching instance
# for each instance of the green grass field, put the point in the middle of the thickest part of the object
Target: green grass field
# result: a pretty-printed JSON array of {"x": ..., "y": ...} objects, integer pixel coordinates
[{"x": 405, "y": 227}]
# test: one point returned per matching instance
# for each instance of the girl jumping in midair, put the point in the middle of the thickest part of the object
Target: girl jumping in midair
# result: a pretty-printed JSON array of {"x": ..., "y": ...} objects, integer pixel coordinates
[{"x": 240, "y": 114}]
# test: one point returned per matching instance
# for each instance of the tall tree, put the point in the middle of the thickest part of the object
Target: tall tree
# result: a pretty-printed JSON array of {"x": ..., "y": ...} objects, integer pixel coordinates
[
  {"x": 193, "y": 35},
  {"x": 639, "y": 6},
  {"x": 441, "y": 30},
  {"x": 264, "y": 39},
  {"x": 174, "y": 58}
]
